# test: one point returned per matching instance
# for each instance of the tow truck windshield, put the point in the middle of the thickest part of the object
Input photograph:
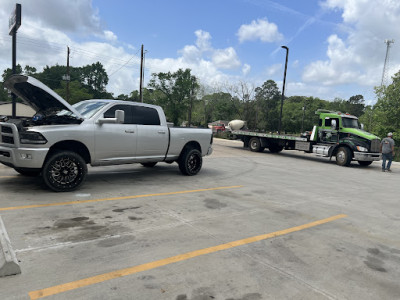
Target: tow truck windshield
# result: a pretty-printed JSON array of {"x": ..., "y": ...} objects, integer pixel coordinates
[{"x": 350, "y": 123}]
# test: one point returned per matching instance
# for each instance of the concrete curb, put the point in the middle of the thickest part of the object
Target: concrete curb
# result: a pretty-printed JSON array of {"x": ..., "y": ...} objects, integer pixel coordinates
[{"x": 8, "y": 261}]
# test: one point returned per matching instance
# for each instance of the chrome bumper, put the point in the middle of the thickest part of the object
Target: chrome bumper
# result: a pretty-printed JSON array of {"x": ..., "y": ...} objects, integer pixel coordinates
[
  {"x": 362, "y": 156},
  {"x": 23, "y": 157}
]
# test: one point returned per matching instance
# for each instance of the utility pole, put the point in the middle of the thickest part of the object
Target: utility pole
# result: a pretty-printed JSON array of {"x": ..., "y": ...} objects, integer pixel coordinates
[
  {"x": 141, "y": 76},
  {"x": 191, "y": 102},
  {"x": 302, "y": 119},
  {"x": 13, "y": 24},
  {"x": 386, "y": 64},
  {"x": 68, "y": 78},
  {"x": 283, "y": 88}
]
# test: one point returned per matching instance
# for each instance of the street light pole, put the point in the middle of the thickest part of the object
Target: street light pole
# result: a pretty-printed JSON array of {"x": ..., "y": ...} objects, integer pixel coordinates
[{"x": 283, "y": 89}]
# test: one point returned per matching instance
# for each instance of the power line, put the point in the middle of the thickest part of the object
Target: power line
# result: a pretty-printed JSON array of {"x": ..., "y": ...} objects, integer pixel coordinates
[{"x": 74, "y": 50}]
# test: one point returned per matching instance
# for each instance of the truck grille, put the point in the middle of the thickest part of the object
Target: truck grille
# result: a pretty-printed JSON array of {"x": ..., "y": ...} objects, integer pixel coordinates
[
  {"x": 375, "y": 145},
  {"x": 5, "y": 129},
  {"x": 7, "y": 139},
  {"x": 6, "y": 134}
]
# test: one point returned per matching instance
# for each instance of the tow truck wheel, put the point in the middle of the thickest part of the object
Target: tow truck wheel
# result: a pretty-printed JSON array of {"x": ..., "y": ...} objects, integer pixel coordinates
[
  {"x": 64, "y": 171},
  {"x": 364, "y": 163},
  {"x": 190, "y": 161},
  {"x": 255, "y": 145},
  {"x": 343, "y": 156}
]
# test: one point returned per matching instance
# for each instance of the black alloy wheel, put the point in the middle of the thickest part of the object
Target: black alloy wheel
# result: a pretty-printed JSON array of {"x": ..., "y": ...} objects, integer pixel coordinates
[
  {"x": 64, "y": 171},
  {"x": 190, "y": 161}
]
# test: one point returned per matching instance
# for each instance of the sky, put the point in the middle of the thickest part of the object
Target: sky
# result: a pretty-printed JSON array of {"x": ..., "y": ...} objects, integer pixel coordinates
[{"x": 336, "y": 47}]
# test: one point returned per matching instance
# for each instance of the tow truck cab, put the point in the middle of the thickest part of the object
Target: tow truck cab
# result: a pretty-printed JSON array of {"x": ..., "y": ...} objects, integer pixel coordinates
[{"x": 340, "y": 134}]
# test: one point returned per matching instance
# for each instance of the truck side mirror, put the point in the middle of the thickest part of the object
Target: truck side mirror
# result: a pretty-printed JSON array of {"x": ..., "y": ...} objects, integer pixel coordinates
[
  {"x": 119, "y": 118},
  {"x": 362, "y": 126},
  {"x": 333, "y": 125}
]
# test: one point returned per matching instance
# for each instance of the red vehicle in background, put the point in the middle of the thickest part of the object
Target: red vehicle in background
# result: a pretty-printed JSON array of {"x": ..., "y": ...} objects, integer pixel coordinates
[{"x": 219, "y": 127}]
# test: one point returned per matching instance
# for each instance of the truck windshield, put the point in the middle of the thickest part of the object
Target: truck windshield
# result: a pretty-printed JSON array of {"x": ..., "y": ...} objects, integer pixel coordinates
[
  {"x": 350, "y": 123},
  {"x": 89, "y": 108}
]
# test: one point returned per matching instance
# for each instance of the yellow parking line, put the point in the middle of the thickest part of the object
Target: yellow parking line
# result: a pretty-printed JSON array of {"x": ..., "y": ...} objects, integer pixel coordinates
[
  {"x": 116, "y": 198},
  {"x": 10, "y": 176},
  {"x": 166, "y": 261}
]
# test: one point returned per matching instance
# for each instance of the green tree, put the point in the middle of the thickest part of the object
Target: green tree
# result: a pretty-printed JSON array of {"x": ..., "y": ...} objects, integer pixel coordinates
[
  {"x": 386, "y": 115},
  {"x": 356, "y": 105},
  {"x": 368, "y": 119},
  {"x": 53, "y": 76},
  {"x": 177, "y": 89},
  {"x": 3, "y": 94},
  {"x": 219, "y": 106},
  {"x": 94, "y": 77},
  {"x": 267, "y": 98},
  {"x": 8, "y": 72},
  {"x": 77, "y": 92}
]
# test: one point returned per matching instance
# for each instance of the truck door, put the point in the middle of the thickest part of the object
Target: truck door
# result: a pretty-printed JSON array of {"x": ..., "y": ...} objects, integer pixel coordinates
[
  {"x": 116, "y": 143},
  {"x": 329, "y": 131},
  {"x": 152, "y": 137}
]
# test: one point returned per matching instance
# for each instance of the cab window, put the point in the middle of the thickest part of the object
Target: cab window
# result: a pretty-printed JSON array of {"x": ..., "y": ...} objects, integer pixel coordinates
[
  {"x": 145, "y": 116},
  {"x": 110, "y": 113}
]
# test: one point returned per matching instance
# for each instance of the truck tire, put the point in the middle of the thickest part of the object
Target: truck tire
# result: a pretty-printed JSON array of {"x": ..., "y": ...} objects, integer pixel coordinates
[
  {"x": 190, "y": 161},
  {"x": 364, "y": 163},
  {"x": 149, "y": 164},
  {"x": 255, "y": 145},
  {"x": 274, "y": 148},
  {"x": 28, "y": 172},
  {"x": 343, "y": 156},
  {"x": 64, "y": 171}
]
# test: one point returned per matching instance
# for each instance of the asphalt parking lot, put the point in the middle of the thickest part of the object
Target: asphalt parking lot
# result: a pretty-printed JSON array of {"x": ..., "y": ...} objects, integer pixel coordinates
[{"x": 249, "y": 226}]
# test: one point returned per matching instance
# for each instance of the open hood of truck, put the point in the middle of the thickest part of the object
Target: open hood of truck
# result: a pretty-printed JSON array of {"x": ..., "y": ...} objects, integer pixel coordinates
[{"x": 37, "y": 95}]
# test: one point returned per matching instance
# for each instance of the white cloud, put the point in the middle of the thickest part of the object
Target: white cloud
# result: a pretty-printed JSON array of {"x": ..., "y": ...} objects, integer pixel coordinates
[
  {"x": 191, "y": 53},
  {"x": 77, "y": 16},
  {"x": 203, "y": 40},
  {"x": 45, "y": 34},
  {"x": 359, "y": 57},
  {"x": 246, "y": 69},
  {"x": 226, "y": 58},
  {"x": 110, "y": 36},
  {"x": 259, "y": 29}
]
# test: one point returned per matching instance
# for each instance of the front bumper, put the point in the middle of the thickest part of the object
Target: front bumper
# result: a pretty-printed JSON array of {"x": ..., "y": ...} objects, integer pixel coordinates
[
  {"x": 23, "y": 157},
  {"x": 363, "y": 156}
]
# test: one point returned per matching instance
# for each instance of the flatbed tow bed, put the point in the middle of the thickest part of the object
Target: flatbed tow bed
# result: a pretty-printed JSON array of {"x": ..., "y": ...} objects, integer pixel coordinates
[{"x": 337, "y": 134}]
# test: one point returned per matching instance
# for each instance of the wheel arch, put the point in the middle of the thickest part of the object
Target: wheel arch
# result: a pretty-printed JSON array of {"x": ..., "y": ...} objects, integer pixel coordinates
[
  {"x": 333, "y": 151},
  {"x": 191, "y": 145},
  {"x": 71, "y": 145}
]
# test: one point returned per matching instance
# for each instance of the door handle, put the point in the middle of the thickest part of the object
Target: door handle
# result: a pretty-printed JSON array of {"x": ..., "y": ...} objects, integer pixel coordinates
[
  {"x": 161, "y": 132},
  {"x": 130, "y": 131}
]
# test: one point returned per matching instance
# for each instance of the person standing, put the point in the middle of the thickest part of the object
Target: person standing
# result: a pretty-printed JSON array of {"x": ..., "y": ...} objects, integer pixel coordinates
[{"x": 387, "y": 150}]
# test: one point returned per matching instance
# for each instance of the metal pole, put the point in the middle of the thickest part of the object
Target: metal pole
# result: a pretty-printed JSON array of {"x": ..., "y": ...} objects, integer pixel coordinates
[
  {"x": 141, "y": 76},
  {"x": 68, "y": 78},
  {"x": 14, "y": 70},
  {"x": 283, "y": 89}
]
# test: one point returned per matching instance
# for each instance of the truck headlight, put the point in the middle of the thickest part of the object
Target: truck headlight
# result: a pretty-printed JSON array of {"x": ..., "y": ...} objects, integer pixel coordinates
[
  {"x": 31, "y": 137},
  {"x": 362, "y": 149}
]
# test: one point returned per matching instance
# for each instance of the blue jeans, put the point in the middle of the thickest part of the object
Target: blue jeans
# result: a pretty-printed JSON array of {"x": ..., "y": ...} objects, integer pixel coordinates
[{"x": 389, "y": 158}]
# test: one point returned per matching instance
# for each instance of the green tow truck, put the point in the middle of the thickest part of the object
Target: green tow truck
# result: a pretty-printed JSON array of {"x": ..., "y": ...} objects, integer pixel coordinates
[{"x": 337, "y": 135}]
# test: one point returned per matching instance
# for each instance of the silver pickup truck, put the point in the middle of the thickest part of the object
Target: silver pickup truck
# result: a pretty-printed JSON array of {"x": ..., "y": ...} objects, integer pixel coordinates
[{"x": 61, "y": 139}]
